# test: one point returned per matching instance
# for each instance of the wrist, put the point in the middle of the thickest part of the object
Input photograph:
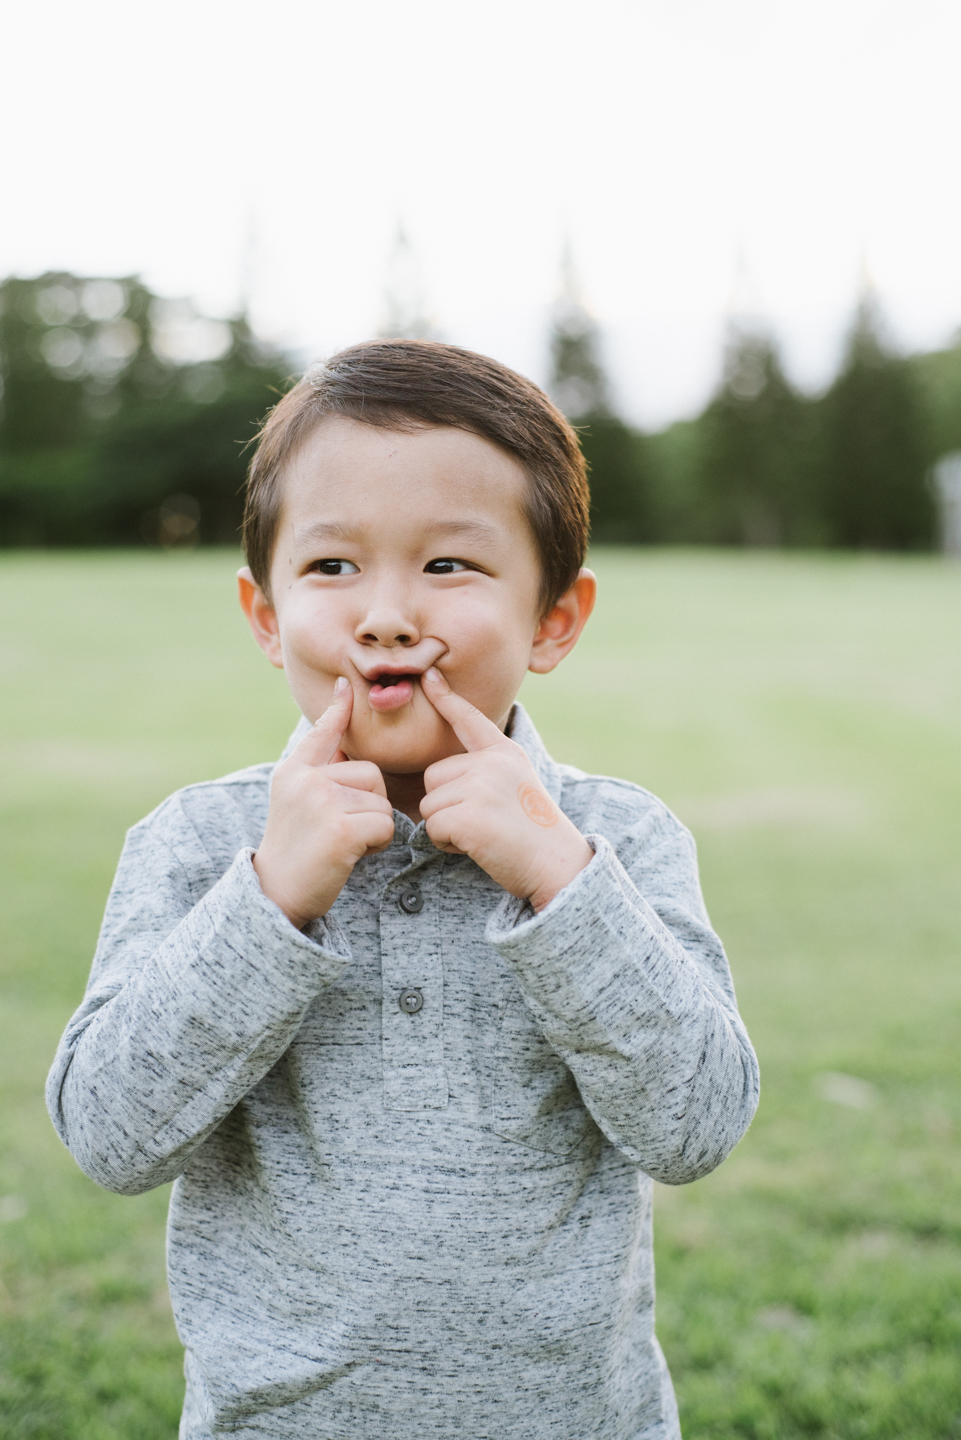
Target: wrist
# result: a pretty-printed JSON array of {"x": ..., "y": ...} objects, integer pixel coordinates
[
  {"x": 299, "y": 910},
  {"x": 560, "y": 874}
]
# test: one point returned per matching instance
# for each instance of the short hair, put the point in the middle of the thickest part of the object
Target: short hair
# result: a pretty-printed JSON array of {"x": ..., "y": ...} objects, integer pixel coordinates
[{"x": 399, "y": 383}]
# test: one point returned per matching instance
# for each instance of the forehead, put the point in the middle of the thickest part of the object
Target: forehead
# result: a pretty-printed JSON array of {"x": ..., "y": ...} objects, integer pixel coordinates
[{"x": 369, "y": 474}]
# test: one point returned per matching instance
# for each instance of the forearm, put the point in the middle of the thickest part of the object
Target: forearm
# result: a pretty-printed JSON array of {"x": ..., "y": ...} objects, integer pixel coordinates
[
  {"x": 658, "y": 1050},
  {"x": 145, "y": 1073}
]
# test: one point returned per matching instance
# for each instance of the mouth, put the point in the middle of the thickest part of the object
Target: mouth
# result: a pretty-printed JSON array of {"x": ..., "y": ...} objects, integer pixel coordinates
[{"x": 391, "y": 689}]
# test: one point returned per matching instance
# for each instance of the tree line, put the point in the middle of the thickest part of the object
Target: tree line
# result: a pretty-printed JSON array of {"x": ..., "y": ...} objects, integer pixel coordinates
[
  {"x": 765, "y": 464},
  {"x": 125, "y": 420},
  {"x": 124, "y": 417}
]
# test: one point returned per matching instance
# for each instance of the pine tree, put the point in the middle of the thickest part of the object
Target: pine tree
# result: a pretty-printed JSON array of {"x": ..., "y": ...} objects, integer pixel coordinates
[
  {"x": 621, "y": 507},
  {"x": 756, "y": 457},
  {"x": 876, "y": 495},
  {"x": 579, "y": 385}
]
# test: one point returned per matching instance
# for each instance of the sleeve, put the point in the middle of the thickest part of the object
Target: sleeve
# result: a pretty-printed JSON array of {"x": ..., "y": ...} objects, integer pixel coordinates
[
  {"x": 631, "y": 988},
  {"x": 190, "y": 1002}
]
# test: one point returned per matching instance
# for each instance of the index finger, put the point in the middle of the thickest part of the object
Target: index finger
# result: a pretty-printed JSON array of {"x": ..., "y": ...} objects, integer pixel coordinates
[
  {"x": 470, "y": 725},
  {"x": 321, "y": 744}
]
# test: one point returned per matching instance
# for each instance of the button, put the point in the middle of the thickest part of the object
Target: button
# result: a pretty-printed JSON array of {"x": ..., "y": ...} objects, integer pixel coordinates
[
  {"x": 411, "y": 900},
  {"x": 411, "y": 1000}
]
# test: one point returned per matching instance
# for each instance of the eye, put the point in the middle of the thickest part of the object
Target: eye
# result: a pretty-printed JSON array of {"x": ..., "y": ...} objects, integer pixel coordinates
[
  {"x": 445, "y": 567},
  {"x": 335, "y": 567}
]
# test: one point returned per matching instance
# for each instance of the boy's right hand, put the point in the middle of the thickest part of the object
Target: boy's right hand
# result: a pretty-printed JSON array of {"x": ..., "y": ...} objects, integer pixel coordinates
[{"x": 326, "y": 812}]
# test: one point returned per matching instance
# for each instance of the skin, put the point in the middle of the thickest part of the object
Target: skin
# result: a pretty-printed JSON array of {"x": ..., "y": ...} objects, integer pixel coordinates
[{"x": 408, "y": 551}]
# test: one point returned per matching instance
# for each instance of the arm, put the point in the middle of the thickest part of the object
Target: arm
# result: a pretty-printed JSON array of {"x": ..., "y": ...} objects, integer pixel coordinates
[
  {"x": 189, "y": 1005},
  {"x": 638, "y": 1002},
  {"x": 617, "y": 962},
  {"x": 200, "y": 984}
]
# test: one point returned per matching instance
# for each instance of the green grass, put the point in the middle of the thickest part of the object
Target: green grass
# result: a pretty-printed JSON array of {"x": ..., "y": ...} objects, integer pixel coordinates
[{"x": 803, "y": 716}]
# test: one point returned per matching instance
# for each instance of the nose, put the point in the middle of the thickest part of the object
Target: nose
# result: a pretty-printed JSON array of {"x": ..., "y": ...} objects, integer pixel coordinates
[{"x": 387, "y": 623}]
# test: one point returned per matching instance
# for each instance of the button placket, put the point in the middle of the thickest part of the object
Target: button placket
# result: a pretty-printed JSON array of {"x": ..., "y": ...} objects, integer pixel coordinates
[{"x": 413, "y": 992}]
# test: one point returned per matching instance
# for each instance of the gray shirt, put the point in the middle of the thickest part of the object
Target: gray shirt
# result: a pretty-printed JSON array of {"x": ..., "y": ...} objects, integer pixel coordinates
[{"x": 413, "y": 1144}]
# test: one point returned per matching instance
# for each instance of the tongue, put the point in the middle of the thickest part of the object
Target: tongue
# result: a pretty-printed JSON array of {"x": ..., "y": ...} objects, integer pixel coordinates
[{"x": 390, "y": 697}]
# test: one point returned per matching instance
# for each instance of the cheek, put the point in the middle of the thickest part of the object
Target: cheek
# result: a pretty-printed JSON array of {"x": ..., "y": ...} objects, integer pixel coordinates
[
  {"x": 491, "y": 661},
  {"x": 311, "y": 635}
]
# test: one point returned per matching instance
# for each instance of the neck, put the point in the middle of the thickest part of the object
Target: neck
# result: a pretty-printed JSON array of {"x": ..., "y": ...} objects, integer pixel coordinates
[{"x": 405, "y": 792}]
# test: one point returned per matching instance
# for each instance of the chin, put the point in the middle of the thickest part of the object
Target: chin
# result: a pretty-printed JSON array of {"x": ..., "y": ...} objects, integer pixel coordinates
[{"x": 401, "y": 749}]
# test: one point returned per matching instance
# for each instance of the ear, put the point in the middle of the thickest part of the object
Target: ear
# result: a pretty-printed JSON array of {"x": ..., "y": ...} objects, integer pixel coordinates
[
  {"x": 561, "y": 627},
  {"x": 261, "y": 615}
]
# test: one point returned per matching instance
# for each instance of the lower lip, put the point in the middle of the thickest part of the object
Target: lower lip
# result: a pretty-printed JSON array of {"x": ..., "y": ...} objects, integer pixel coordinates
[{"x": 391, "y": 697}]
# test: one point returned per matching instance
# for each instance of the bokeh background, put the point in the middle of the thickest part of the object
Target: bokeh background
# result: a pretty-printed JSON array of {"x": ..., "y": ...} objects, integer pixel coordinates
[{"x": 725, "y": 236}]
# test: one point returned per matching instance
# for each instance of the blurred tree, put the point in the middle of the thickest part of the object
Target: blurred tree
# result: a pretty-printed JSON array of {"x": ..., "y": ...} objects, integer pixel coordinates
[
  {"x": 116, "y": 402},
  {"x": 579, "y": 385},
  {"x": 674, "y": 458},
  {"x": 876, "y": 453},
  {"x": 124, "y": 418},
  {"x": 937, "y": 378},
  {"x": 616, "y": 455},
  {"x": 619, "y": 468},
  {"x": 757, "y": 461}
]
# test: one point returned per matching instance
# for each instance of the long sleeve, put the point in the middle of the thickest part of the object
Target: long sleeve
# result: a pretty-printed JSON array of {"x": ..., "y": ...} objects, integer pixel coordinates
[
  {"x": 375, "y": 1200},
  {"x": 191, "y": 1000},
  {"x": 634, "y": 994}
]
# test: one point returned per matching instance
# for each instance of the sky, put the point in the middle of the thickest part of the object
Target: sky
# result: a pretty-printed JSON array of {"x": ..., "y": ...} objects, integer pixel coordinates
[{"x": 701, "y": 158}]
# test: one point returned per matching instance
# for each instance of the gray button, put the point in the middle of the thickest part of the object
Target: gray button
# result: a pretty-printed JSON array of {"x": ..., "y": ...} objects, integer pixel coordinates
[
  {"x": 411, "y": 900},
  {"x": 411, "y": 1001}
]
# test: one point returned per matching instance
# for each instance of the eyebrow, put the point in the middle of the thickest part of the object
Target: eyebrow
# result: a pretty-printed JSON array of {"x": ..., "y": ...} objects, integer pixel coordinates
[{"x": 318, "y": 531}]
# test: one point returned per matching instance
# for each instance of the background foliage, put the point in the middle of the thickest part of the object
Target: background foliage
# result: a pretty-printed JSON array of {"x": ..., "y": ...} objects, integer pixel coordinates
[
  {"x": 764, "y": 464},
  {"x": 125, "y": 417}
]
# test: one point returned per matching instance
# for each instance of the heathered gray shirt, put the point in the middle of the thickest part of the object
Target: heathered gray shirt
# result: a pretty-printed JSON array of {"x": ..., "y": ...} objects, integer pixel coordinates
[{"x": 409, "y": 1223}]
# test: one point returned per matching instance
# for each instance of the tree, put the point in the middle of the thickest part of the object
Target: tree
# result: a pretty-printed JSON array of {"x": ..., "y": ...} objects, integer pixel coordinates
[
  {"x": 616, "y": 458},
  {"x": 118, "y": 408},
  {"x": 579, "y": 385},
  {"x": 876, "y": 495},
  {"x": 756, "y": 459}
]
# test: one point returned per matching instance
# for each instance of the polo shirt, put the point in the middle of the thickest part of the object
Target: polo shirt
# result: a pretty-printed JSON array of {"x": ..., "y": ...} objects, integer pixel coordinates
[{"x": 412, "y": 1145}]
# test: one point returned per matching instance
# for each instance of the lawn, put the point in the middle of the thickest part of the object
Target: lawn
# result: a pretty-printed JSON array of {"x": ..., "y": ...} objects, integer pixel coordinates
[{"x": 803, "y": 715}]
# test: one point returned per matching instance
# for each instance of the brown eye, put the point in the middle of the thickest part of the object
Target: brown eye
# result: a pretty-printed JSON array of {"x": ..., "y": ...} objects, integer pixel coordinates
[
  {"x": 444, "y": 567},
  {"x": 335, "y": 567}
]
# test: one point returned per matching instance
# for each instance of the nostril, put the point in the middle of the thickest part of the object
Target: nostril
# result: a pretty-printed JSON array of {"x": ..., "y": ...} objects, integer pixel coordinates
[{"x": 402, "y": 639}]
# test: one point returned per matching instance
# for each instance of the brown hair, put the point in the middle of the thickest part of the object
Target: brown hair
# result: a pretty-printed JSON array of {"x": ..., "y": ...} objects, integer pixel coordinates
[{"x": 394, "y": 383}]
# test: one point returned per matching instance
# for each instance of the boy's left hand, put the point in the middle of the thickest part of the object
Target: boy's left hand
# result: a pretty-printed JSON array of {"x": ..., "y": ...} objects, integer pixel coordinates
[{"x": 490, "y": 805}]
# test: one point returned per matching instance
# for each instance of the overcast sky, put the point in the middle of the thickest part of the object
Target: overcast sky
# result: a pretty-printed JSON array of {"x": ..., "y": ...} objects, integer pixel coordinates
[{"x": 676, "y": 142}]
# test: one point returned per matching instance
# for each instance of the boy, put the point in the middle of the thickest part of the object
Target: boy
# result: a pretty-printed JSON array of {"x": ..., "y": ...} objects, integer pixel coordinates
[{"x": 412, "y": 1017}]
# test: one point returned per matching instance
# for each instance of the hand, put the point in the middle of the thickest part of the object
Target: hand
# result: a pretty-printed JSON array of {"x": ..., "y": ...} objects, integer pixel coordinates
[
  {"x": 490, "y": 805},
  {"x": 326, "y": 812}
]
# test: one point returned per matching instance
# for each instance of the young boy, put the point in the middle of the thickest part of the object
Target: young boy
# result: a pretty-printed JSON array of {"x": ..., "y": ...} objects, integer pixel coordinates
[{"x": 413, "y": 1017}]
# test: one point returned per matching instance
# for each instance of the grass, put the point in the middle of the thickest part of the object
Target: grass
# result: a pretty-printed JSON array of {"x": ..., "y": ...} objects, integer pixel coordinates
[{"x": 803, "y": 715}]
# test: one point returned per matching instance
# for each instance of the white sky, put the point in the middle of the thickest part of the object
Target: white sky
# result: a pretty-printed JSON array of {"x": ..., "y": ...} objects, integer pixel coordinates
[{"x": 667, "y": 138}]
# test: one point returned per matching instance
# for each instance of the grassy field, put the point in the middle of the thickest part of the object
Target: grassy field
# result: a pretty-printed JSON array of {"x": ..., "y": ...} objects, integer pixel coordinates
[{"x": 803, "y": 716}]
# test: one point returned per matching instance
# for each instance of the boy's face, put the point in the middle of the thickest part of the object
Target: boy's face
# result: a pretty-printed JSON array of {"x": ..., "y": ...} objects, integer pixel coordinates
[{"x": 398, "y": 550}]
